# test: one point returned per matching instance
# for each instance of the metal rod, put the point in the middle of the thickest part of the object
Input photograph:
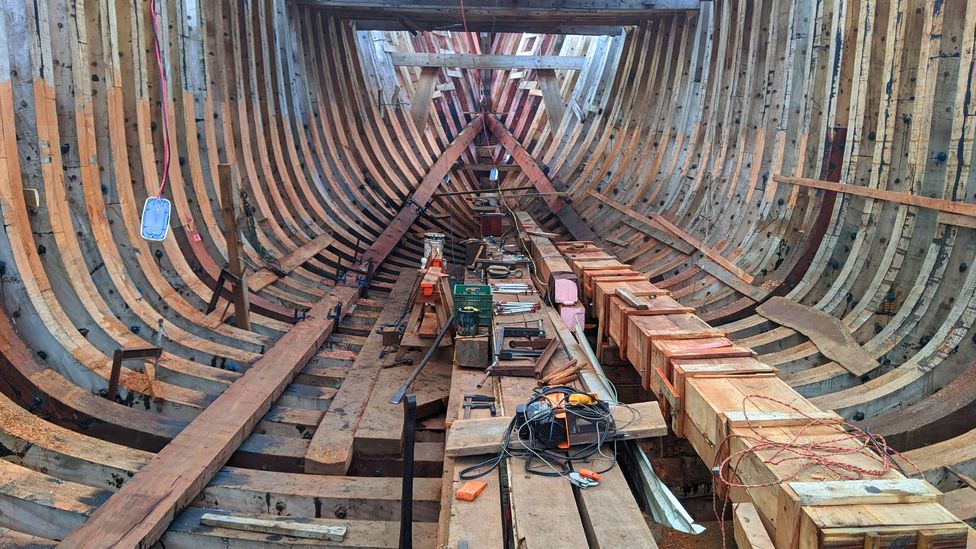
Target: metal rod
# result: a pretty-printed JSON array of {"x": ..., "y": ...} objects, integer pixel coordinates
[
  {"x": 398, "y": 396},
  {"x": 406, "y": 491}
]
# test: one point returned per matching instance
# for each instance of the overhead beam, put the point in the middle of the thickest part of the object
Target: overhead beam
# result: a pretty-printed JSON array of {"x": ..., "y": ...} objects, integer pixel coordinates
[
  {"x": 408, "y": 214},
  {"x": 487, "y": 62},
  {"x": 485, "y": 167},
  {"x": 566, "y": 214},
  {"x": 139, "y": 513}
]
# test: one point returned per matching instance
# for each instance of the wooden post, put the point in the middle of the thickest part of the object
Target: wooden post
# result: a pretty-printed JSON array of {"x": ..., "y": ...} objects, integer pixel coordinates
[
  {"x": 423, "y": 96},
  {"x": 127, "y": 354},
  {"x": 230, "y": 206},
  {"x": 553, "y": 100}
]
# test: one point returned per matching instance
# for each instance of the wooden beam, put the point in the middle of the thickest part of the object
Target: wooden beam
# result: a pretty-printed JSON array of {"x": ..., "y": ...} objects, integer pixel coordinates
[
  {"x": 423, "y": 96},
  {"x": 408, "y": 214},
  {"x": 946, "y": 206},
  {"x": 139, "y": 513},
  {"x": 230, "y": 206},
  {"x": 296, "y": 527},
  {"x": 552, "y": 98},
  {"x": 566, "y": 214},
  {"x": 486, "y": 167},
  {"x": 265, "y": 277},
  {"x": 488, "y": 62}
]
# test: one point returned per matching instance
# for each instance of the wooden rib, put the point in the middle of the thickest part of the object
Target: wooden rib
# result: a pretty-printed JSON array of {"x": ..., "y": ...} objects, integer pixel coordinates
[{"x": 140, "y": 512}]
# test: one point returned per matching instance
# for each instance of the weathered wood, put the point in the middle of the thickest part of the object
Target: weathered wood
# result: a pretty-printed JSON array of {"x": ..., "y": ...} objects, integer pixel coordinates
[
  {"x": 423, "y": 96},
  {"x": 832, "y": 338},
  {"x": 952, "y": 207},
  {"x": 231, "y": 206},
  {"x": 552, "y": 97},
  {"x": 327, "y": 530},
  {"x": 140, "y": 512},
  {"x": 487, "y": 62},
  {"x": 331, "y": 450}
]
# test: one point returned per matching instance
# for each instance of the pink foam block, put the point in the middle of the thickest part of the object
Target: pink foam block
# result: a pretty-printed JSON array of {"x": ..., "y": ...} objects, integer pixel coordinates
[{"x": 572, "y": 315}]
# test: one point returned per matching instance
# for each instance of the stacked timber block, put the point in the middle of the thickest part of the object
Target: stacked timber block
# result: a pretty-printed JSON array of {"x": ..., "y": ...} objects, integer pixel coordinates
[
  {"x": 739, "y": 416},
  {"x": 560, "y": 280}
]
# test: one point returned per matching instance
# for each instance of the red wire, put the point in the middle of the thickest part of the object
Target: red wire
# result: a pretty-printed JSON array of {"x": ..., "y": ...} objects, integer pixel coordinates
[
  {"x": 819, "y": 453},
  {"x": 165, "y": 101}
]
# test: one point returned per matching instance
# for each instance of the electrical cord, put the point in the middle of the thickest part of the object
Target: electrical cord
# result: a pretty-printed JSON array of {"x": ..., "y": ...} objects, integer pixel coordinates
[{"x": 542, "y": 431}]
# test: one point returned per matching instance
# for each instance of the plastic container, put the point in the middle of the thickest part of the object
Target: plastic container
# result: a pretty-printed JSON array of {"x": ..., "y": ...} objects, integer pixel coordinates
[{"x": 477, "y": 296}]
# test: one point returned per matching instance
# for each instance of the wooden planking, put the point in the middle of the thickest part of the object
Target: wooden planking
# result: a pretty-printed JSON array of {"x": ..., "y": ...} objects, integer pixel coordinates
[
  {"x": 331, "y": 449},
  {"x": 952, "y": 207},
  {"x": 487, "y": 62},
  {"x": 140, "y": 512},
  {"x": 473, "y": 437},
  {"x": 748, "y": 528},
  {"x": 831, "y": 336}
]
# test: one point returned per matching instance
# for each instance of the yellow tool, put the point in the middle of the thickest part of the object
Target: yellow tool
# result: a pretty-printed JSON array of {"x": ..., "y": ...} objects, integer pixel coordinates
[{"x": 582, "y": 399}]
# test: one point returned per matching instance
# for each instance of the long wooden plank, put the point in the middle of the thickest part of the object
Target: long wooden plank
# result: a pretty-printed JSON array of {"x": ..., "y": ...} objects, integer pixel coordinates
[
  {"x": 488, "y": 62},
  {"x": 563, "y": 210},
  {"x": 331, "y": 448},
  {"x": 139, "y": 513},
  {"x": 938, "y": 204},
  {"x": 391, "y": 235},
  {"x": 471, "y": 437}
]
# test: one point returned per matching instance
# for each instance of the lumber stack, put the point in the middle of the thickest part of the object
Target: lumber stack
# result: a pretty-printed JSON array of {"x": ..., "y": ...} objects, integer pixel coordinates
[{"x": 810, "y": 483}]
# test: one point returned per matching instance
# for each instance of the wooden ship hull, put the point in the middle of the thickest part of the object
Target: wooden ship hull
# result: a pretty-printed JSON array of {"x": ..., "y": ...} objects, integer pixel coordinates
[{"x": 796, "y": 173}]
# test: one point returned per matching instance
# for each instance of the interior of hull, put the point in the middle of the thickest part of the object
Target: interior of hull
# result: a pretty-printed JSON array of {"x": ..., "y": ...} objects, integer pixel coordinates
[{"x": 796, "y": 172}]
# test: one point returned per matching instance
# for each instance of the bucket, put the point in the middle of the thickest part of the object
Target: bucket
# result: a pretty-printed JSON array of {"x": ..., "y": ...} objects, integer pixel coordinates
[
  {"x": 468, "y": 320},
  {"x": 433, "y": 247}
]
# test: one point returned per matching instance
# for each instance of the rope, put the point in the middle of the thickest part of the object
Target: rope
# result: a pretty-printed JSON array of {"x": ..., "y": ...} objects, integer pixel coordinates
[
  {"x": 824, "y": 453},
  {"x": 164, "y": 99}
]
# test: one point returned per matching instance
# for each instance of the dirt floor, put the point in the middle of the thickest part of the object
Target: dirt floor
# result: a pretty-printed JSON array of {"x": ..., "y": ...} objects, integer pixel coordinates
[{"x": 711, "y": 538}]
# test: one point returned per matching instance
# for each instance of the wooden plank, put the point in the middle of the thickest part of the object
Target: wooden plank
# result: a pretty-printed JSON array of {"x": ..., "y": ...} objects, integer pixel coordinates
[
  {"x": 938, "y": 204},
  {"x": 408, "y": 214},
  {"x": 748, "y": 528},
  {"x": 654, "y": 224},
  {"x": 139, "y": 513},
  {"x": 296, "y": 527},
  {"x": 831, "y": 336},
  {"x": 487, "y": 62},
  {"x": 331, "y": 448},
  {"x": 265, "y": 277},
  {"x": 866, "y": 491},
  {"x": 423, "y": 96},
  {"x": 552, "y": 97},
  {"x": 471, "y": 437}
]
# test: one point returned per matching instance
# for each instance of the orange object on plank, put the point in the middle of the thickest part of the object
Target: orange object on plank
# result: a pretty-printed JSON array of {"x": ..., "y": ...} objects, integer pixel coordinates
[
  {"x": 470, "y": 490},
  {"x": 592, "y": 475}
]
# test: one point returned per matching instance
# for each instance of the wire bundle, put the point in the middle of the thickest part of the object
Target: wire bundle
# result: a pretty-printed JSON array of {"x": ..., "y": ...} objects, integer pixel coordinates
[
  {"x": 540, "y": 433},
  {"x": 825, "y": 453}
]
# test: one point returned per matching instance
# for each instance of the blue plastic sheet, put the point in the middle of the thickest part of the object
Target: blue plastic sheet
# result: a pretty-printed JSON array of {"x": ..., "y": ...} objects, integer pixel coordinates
[{"x": 155, "y": 218}]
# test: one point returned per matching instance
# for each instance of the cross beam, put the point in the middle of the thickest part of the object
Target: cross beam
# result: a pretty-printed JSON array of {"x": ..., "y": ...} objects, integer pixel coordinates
[
  {"x": 499, "y": 62},
  {"x": 408, "y": 214}
]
